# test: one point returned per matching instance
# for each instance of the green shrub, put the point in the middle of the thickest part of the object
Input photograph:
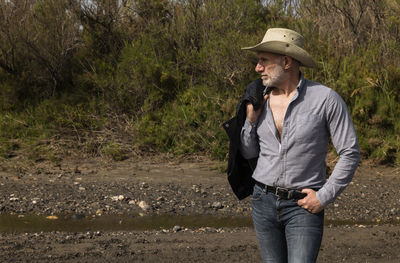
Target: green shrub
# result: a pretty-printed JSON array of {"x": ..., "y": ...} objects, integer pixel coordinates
[
  {"x": 113, "y": 151},
  {"x": 174, "y": 71}
]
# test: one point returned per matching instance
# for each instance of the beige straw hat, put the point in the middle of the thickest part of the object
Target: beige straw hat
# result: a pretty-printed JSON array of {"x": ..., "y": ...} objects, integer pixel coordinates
[{"x": 285, "y": 42}]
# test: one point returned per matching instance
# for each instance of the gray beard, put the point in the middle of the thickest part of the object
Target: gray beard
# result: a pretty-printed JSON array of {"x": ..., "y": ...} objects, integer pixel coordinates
[{"x": 276, "y": 77}]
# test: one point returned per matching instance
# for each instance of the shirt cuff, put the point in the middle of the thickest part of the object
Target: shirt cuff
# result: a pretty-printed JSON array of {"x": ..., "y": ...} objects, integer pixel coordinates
[
  {"x": 248, "y": 125},
  {"x": 323, "y": 197}
]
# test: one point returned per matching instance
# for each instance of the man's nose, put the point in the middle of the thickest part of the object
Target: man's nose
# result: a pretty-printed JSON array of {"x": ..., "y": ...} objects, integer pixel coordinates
[{"x": 259, "y": 67}]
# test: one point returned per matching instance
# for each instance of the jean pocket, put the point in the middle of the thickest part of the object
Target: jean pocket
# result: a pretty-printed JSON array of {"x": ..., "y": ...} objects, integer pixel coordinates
[{"x": 257, "y": 193}]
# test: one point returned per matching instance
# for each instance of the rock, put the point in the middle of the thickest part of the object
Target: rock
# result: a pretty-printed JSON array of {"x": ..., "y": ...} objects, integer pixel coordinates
[
  {"x": 195, "y": 188},
  {"x": 144, "y": 206},
  {"x": 82, "y": 188},
  {"x": 118, "y": 198},
  {"x": 132, "y": 202},
  {"x": 217, "y": 205},
  {"x": 177, "y": 228},
  {"x": 220, "y": 230}
]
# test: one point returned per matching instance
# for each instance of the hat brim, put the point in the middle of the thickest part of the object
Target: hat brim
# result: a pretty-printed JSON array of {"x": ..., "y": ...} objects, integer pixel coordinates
[{"x": 284, "y": 48}]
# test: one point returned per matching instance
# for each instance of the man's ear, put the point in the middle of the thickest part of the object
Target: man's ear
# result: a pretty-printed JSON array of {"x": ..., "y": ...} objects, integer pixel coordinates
[{"x": 287, "y": 62}]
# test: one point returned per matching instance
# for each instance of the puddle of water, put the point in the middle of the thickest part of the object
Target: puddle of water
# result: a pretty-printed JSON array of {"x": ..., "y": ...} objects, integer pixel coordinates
[
  {"x": 360, "y": 222},
  {"x": 35, "y": 223}
]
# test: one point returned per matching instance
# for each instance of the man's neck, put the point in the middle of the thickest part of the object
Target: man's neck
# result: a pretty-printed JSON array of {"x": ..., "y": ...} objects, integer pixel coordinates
[{"x": 287, "y": 87}]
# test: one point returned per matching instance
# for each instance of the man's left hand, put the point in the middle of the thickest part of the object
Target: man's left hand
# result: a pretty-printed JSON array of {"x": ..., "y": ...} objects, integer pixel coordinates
[{"x": 310, "y": 202}]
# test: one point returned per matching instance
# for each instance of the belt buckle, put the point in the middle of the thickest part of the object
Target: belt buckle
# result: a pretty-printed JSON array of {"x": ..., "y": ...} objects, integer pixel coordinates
[{"x": 279, "y": 191}]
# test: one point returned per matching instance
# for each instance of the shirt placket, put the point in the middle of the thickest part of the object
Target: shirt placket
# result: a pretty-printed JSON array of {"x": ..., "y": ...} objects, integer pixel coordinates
[
  {"x": 281, "y": 179},
  {"x": 282, "y": 154}
]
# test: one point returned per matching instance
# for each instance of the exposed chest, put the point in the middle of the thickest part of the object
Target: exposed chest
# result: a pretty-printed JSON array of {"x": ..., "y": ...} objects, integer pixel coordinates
[{"x": 278, "y": 108}]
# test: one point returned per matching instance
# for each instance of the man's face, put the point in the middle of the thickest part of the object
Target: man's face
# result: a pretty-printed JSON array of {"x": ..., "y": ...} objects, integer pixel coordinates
[{"x": 269, "y": 65}]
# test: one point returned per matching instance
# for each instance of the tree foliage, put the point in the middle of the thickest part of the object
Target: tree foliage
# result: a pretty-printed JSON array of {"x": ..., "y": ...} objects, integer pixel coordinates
[{"x": 172, "y": 70}]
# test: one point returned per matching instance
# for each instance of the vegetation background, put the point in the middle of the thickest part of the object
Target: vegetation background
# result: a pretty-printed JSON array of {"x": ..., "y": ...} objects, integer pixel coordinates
[{"x": 112, "y": 77}]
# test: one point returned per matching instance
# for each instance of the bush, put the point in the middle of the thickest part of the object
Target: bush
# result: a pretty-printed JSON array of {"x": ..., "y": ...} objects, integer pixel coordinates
[{"x": 174, "y": 70}]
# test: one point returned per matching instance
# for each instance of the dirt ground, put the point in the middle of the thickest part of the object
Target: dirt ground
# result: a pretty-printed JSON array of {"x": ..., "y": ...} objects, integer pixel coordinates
[{"x": 361, "y": 226}]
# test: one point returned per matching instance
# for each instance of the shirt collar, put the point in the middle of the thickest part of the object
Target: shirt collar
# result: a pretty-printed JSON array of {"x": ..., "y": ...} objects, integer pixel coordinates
[
  {"x": 300, "y": 86},
  {"x": 301, "y": 83}
]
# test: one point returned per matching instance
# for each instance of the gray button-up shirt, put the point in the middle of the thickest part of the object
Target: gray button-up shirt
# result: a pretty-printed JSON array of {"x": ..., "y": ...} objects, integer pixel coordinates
[{"x": 315, "y": 114}]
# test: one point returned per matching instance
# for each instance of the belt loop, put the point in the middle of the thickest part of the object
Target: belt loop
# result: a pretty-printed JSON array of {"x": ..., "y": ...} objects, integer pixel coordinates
[{"x": 290, "y": 194}]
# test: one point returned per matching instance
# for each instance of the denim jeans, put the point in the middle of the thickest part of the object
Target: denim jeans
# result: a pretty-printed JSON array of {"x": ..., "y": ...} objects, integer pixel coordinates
[{"x": 285, "y": 231}]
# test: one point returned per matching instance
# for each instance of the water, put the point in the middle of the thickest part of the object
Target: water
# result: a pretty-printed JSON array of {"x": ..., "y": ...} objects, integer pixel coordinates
[
  {"x": 38, "y": 223},
  {"x": 67, "y": 223}
]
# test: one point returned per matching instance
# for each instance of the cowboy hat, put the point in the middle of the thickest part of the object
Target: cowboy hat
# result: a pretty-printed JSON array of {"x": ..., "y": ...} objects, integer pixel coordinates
[{"x": 285, "y": 42}]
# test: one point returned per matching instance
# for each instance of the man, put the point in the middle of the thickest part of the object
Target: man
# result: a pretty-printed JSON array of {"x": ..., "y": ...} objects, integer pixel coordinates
[{"x": 289, "y": 134}]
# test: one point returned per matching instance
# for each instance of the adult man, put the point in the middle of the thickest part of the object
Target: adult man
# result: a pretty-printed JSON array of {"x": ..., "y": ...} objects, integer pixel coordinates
[{"x": 289, "y": 135}]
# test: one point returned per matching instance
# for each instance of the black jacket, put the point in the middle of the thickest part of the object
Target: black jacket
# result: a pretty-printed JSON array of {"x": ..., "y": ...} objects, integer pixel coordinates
[{"x": 240, "y": 170}]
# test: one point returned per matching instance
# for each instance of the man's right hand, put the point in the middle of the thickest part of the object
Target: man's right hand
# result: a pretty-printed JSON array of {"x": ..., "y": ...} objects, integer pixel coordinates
[
  {"x": 253, "y": 115},
  {"x": 255, "y": 98}
]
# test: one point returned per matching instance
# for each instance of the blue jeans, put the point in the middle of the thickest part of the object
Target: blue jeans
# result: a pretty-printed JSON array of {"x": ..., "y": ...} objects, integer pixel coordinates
[{"x": 285, "y": 231}]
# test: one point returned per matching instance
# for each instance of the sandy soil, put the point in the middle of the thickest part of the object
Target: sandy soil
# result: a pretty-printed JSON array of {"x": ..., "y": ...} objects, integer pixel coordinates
[{"x": 361, "y": 226}]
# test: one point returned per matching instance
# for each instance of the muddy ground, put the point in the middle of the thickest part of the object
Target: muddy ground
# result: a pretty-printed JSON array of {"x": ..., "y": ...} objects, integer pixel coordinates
[{"x": 204, "y": 222}]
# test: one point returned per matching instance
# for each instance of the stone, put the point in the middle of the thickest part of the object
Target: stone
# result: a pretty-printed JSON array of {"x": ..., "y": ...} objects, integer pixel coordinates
[
  {"x": 217, "y": 205},
  {"x": 177, "y": 228},
  {"x": 144, "y": 206}
]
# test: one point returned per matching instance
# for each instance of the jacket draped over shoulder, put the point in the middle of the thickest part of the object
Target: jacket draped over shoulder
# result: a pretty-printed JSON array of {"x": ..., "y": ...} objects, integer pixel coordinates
[{"x": 240, "y": 170}]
